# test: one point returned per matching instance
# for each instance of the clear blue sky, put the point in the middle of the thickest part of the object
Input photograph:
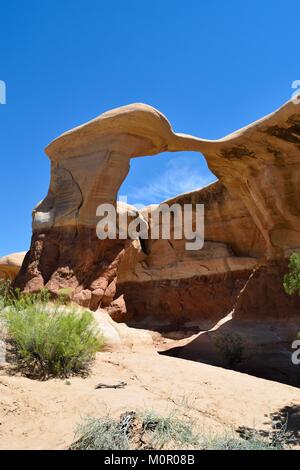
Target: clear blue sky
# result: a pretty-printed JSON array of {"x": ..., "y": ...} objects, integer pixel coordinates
[{"x": 209, "y": 66}]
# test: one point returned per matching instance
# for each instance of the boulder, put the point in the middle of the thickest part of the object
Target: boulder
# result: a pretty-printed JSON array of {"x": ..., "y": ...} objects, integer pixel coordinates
[{"x": 119, "y": 337}]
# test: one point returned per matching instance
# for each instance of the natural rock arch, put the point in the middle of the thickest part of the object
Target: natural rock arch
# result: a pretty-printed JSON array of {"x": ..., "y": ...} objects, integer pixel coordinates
[
  {"x": 90, "y": 162},
  {"x": 252, "y": 212}
]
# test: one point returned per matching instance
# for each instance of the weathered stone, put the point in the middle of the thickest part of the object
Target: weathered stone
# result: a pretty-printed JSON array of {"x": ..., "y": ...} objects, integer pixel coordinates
[
  {"x": 83, "y": 298},
  {"x": 110, "y": 293},
  {"x": 118, "y": 310}
]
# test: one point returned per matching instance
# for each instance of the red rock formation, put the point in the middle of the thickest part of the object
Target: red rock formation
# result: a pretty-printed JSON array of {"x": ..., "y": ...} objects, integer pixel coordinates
[
  {"x": 77, "y": 260},
  {"x": 252, "y": 220}
]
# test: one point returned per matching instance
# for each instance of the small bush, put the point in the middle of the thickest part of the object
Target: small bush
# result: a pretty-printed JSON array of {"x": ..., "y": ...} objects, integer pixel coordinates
[
  {"x": 169, "y": 429},
  {"x": 51, "y": 341},
  {"x": 5, "y": 292},
  {"x": 4, "y": 287},
  {"x": 235, "y": 443},
  {"x": 277, "y": 438},
  {"x": 291, "y": 281},
  {"x": 147, "y": 430},
  {"x": 18, "y": 300},
  {"x": 231, "y": 347},
  {"x": 100, "y": 434},
  {"x": 135, "y": 431},
  {"x": 64, "y": 295}
]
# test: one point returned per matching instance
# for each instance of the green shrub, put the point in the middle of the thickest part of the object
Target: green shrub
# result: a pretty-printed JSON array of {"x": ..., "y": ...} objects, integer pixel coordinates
[
  {"x": 4, "y": 287},
  {"x": 19, "y": 300},
  {"x": 291, "y": 281},
  {"x": 64, "y": 295},
  {"x": 51, "y": 340}
]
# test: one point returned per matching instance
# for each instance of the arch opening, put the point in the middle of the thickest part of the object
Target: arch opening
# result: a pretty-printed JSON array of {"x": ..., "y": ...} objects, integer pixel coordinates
[{"x": 152, "y": 180}]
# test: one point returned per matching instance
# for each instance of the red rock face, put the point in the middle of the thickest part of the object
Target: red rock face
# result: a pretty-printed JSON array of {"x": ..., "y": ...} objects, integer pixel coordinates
[
  {"x": 72, "y": 259},
  {"x": 179, "y": 301},
  {"x": 263, "y": 296},
  {"x": 254, "y": 295}
]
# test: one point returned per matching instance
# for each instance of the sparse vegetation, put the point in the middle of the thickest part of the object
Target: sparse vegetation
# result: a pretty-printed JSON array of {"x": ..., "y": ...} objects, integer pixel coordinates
[
  {"x": 64, "y": 295},
  {"x": 231, "y": 347},
  {"x": 100, "y": 434},
  {"x": 230, "y": 442},
  {"x": 170, "y": 429},
  {"x": 279, "y": 437},
  {"x": 49, "y": 339},
  {"x": 5, "y": 292},
  {"x": 153, "y": 432},
  {"x": 18, "y": 300},
  {"x": 135, "y": 431},
  {"x": 291, "y": 281}
]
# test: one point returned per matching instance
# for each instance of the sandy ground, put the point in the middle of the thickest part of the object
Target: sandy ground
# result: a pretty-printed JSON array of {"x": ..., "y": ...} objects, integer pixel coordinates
[{"x": 43, "y": 415}]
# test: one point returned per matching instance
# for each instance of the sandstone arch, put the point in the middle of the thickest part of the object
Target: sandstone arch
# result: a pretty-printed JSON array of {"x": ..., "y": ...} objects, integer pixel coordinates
[
  {"x": 90, "y": 162},
  {"x": 252, "y": 214}
]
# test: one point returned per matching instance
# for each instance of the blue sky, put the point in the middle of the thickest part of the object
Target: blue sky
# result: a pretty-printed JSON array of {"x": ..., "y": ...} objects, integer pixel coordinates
[{"x": 209, "y": 66}]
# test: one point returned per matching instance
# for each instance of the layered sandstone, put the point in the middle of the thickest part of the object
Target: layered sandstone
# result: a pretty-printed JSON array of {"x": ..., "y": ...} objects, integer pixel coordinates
[{"x": 252, "y": 220}]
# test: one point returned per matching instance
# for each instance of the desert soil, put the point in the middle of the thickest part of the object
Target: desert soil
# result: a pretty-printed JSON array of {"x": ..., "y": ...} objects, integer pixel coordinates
[{"x": 43, "y": 414}]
